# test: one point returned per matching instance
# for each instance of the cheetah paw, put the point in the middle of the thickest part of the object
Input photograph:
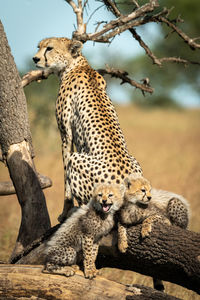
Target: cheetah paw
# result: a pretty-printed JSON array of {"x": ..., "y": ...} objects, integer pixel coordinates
[
  {"x": 90, "y": 273},
  {"x": 146, "y": 230},
  {"x": 65, "y": 271},
  {"x": 122, "y": 246}
]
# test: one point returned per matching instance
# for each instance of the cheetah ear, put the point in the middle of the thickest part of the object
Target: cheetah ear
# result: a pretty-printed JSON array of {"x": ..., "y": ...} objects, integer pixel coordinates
[
  {"x": 122, "y": 189},
  {"x": 127, "y": 182},
  {"x": 75, "y": 48}
]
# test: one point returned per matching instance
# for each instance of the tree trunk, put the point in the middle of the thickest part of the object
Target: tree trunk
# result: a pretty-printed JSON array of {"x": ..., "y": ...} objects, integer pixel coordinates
[
  {"x": 170, "y": 253},
  {"x": 17, "y": 150},
  {"x": 28, "y": 281}
]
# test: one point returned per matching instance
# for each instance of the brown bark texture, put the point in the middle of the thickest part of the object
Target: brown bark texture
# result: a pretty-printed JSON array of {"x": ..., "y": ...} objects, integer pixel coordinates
[
  {"x": 14, "y": 125},
  {"x": 7, "y": 187},
  {"x": 28, "y": 282},
  {"x": 170, "y": 253},
  {"x": 16, "y": 146}
]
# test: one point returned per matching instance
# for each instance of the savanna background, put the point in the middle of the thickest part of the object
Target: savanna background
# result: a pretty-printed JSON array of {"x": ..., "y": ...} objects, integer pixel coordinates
[{"x": 162, "y": 131}]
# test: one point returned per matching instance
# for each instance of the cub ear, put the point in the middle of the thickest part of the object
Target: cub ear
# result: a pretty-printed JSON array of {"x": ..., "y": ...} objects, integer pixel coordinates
[
  {"x": 75, "y": 48},
  {"x": 122, "y": 189},
  {"x": 127, "y": 182}
]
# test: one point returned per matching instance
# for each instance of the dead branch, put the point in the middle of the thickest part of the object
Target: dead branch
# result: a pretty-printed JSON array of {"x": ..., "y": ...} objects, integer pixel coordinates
[
  {"x": 120, "y": 24},
  {"x": 78, "y": 10},
  {"x": 123, "y": 75},
  {"x": 170, "y": 253},
  {"x": 35, "y": 75},
  {"x": 159, "y": 17},
  {"x": 191, "y": 42},
  {"x": 28, "y": 282},
  {"x": 7, "y": 187}
]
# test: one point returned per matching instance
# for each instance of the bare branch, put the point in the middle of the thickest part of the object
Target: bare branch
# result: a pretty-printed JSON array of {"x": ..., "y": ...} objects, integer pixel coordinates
[
  {"x": 186, "y": 38},
  {"x": 112, "y": 7},
  {"x": 178, "y": 60},
  {"x": 7, "y": 187},
  {"x": 35, "y": 75},
  {"x": 120, "y": 24},
  {"x": 78, "y": 10},
  {"x": 156, "y": 18},
  {"x": 123, "y": 75}
]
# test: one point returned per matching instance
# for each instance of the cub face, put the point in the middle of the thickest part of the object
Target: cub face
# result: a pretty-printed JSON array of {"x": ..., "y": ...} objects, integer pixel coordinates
[
  {"x": 108, "y": 198},
  {"x": 138, "y": 190},
  {"x": 56, "y": 53}
]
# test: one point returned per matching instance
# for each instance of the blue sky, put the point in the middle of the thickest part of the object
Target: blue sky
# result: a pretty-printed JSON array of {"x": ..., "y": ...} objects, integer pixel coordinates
[{"x": 26, "y": 22}]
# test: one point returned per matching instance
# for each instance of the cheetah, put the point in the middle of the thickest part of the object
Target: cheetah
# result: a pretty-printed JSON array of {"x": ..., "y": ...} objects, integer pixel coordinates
[
  {"x": 93, "y": 146},
  {"x": 82, "y": 231},
  {"x": 147, "y": 205}
]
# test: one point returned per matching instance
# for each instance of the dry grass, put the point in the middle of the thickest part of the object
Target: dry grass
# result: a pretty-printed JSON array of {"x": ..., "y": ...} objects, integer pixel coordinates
[{"x": 165, "y": 142}]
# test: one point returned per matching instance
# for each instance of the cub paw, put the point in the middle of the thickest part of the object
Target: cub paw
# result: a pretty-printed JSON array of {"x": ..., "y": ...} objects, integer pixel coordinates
[
  {"x": 90, "y": 272},
  {"x": 146, "y": 230},
  {"x": 122, "y": 246},
  {"x": 59, "y": 270}
]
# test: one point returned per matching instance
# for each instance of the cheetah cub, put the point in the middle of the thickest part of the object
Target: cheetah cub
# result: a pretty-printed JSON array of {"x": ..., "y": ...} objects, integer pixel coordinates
[
  {"x": 146, "y": 205},
  {"x": 82, "y": 231}
]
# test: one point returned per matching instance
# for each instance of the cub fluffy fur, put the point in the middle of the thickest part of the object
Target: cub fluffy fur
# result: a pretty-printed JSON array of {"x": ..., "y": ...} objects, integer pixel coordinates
[
  {"x": 146, "y": 205},
  {"x": 82, "y": 231}
]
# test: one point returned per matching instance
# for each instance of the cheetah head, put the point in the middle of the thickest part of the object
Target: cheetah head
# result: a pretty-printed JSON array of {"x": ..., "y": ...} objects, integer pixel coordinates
[
  {"x": 108, "y": 198},
  {"x": 57, "y": 53},
  {"x": 138, "y": 190}
]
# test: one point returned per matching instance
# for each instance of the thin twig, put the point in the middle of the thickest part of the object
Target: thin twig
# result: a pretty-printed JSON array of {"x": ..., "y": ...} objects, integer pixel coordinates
[{"x": 185, "y": 37}]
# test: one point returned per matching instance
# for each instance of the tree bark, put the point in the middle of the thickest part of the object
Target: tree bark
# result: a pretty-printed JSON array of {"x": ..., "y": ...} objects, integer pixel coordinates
[
  {"x": 17, "y": 150},
  {"x": 7, "y": 187},
  {"x": 28, "y": 281},
  {"x": 170, "y": 253}
]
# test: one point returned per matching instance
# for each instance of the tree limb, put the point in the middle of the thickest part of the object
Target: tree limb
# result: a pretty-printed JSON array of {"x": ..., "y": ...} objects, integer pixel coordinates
[
  {"x": 123, "y": 75},
  {"x": 154, "y": 18},
  {"x": 170, "y": 253},
  {"x": 35, "y": 75},
  {"x": 27, "y": 282},
  {"x": 78, "y": 10},
  {"x": 7, "y": 187}
]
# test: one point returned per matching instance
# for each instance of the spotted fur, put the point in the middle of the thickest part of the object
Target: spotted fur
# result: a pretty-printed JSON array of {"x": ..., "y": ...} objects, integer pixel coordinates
[
  {"x": 82, "y": 231},
  {"x": 87, "y": 120},
  {"x": 147, "y": 206}
]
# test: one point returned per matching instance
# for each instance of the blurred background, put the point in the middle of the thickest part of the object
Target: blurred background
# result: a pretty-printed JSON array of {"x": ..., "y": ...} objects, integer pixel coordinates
[{"x": 162, "y": 130}]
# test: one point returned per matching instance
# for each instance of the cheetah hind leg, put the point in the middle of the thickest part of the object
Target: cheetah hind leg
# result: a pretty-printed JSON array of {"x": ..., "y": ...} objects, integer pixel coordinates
[
  {"x": 60, "y": 270},
  {"x": 148, "y": 222},
  {"x": 178, "y": 213}
]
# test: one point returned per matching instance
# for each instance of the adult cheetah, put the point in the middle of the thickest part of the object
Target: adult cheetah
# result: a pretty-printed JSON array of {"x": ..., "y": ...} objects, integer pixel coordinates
[{"x": 87, "y": 120}]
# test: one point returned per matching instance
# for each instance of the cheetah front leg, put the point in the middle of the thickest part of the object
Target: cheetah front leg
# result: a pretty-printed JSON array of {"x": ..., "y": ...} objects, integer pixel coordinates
[
  {"x": 149, "y": 221},
  {"x": 67, "y": 149},
  {"x": 90, "y": 251},
  {"x": 122, "y": 238}
]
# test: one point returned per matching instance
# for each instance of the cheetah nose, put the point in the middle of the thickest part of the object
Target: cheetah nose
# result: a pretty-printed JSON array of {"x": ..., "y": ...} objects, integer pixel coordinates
[
  {"x": 104, "y": 201},
  {"x": 36, "y": 59},
  {"x": 149, "y": 198}
]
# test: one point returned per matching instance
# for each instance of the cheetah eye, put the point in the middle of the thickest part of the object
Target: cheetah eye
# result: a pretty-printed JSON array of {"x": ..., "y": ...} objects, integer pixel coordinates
[
  {"x": 110, "y": 195},
  {"x": 49, "y": 48},
  {"x": 143, "y": 190},
  {"x": 100, "y": 195}
]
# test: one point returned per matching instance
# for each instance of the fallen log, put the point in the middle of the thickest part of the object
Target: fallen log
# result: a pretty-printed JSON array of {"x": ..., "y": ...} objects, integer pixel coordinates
[
  {"x": 28, "y": 282},
  {"x": 169, "y": 253}
]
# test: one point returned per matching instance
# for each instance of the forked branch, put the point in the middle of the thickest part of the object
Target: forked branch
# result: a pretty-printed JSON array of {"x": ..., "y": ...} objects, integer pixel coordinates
[
  {"x": 161, "y": 17},
  {"x": 139, "y": 16}
]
